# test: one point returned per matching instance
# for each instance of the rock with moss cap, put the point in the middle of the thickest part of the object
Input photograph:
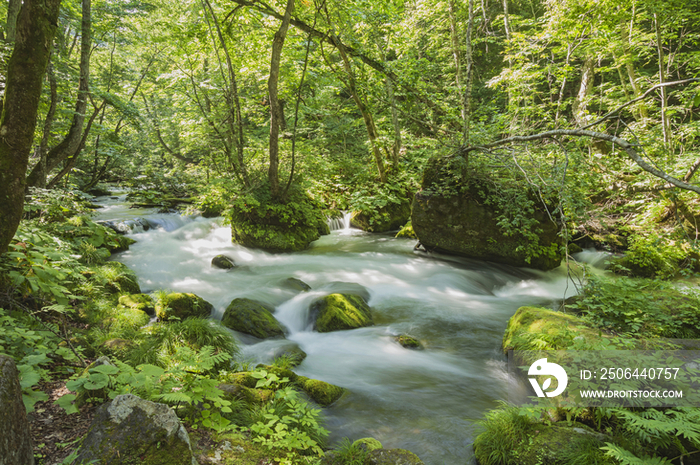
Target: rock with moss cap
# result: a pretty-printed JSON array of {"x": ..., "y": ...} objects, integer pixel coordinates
[
  {"x": 457, "y": 212},
  {"x": 142, "y": 302},
  {"x": 180, "y": 305},
  {"x": 223, "y": 261},
  {"x": 131, "y": 430},
  {"x": 321, "y": 392},
  {"x": 369, "y": 444},
  {"x": 340, "y": 311},
  {"x": 408, "y": 342},
  {"x": 15, "y": 440},
  {"x": 252, "y": 317},
  {"x": 390, "y": 217},
  {"x": 393, "y": 457},
  {"x": 296, "y": 285}
]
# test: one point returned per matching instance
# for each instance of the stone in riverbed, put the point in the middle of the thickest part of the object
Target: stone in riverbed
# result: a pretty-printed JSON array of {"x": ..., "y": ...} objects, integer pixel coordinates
[
  {"x": 340, "y": 311},
  {"x": 408, "y": 342},
  {"x": 252, "y": 317},
  {"x": 15, "y": 440},
  {"x": 180, "y": 305},
  {"x": 223, "y": 261},
  {"x": 132, "y": 430},
  {"x": 296, "y": 285},
  {"x": 321, "y": 392}
]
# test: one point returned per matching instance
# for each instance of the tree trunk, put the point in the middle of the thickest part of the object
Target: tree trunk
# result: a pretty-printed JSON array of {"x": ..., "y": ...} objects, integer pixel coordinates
[
  {"x": 48, "y": 121},
  {"x": 11, "y": 25},
  {"x": 70, "y": 143},
  {"x": 581, "y": 103},
  {"x": 366, "y": 115},
  {"x": 36, "y": 27},
  {"x": 662, "y": 79},
  {"x": 459, "y": 78},
  {"x": 275, "y": 107},
  {"x": 469, "y": 58}
]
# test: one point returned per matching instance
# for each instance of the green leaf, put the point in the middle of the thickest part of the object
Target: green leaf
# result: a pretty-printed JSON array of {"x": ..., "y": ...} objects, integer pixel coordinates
[{"x": 66, "y": 403}]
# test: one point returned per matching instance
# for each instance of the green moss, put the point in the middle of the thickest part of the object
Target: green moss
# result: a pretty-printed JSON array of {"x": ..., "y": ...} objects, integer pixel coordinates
[
  {"x": 407, "y": 231},
  {"x": 182, "y": 305},
  {"x": 141, "y": 302},
  {"x": 278, "y": 225},
  {"x": 324, "y": 394},
  {"x": 224, "y": 262},
  {"x": 233, "y": 448},
  {"x": 369, "y": 443},
  {"x": 393, "y": 457},
  {"x": 252, "y": 317},
  {"x": 340, "y": 311},
  {"x": 533, "y": 328},
  {"x": 250, "y": 396},
  {"x": 408, "y": 342}
]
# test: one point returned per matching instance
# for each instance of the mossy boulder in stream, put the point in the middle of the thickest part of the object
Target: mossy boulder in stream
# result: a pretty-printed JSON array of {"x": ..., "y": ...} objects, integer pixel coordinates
[
  {"x": 252, "y": 317},
  {"x": 223, "y": 262},
  {"x": 533, "y": 328},
  {"x": 462, "y": 212},
  {"x": 130, "y": 430},
  {"x": 321, "y": 392},
  {"x": 179, "y": 305},
  {"x": 340, "y": 311},
  {"x": 289, "y": 224}
]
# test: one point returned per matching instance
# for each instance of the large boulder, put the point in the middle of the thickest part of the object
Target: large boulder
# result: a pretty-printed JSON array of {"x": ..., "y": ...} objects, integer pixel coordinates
[
  {"x": 463, "y": 218},
  {"x": 252, "y": 317},
  {"x": 287, "y": 224},
  {"x": 340, "y": 311},
  {"x": 15, "y": 440},
  {"x": 179, "y": 305},
  {"x": 132, "y": 430}
]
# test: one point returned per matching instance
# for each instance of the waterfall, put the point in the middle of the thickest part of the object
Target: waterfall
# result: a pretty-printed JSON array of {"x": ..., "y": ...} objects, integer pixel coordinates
[{"x": 340, "y": 224}]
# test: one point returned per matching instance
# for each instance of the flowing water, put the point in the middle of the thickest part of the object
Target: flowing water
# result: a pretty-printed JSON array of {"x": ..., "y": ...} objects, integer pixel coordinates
[{"x": 423, "y": 401}]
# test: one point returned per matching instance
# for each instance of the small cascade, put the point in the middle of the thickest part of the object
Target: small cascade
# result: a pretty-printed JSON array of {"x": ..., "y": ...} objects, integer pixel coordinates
[{"x": 340, "y": 224}]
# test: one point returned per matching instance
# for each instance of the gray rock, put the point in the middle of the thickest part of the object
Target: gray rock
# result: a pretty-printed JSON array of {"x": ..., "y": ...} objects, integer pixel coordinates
[
  {"x": 15, "y": 440},
  {"x": 132, "y": 430}
]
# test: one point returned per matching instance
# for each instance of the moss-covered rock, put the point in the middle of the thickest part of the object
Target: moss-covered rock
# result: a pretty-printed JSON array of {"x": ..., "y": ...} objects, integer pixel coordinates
[
  {"x": 340, "y": 311},
  {"x": 457, "y": 212},
  {"x": 324, "y": 394},
  {"x": 15, "y": 440},
  {"x": 368, "y": 444},
  {"x": 277, "y": 225},
  {"x": 530, "y": 327},
  {"x": 293, "y": 355},
  {"x": 131, "y": 430},
  {"x": 247, "y": 394},
  {"x": 142, "y": 302},
  {"x": 119, "y": 278},
  {"x": 393, "y": 457},
  {"x": 407, "y": 231},
  {"x": 122, "y": 244},
  {"x": 408, "y": 342},
  {"x": 223, "y": 262},
  {"x": 252, "y": 317},
  {"x": 182, "y": 305},
  {"x": 387, "y": 218}
]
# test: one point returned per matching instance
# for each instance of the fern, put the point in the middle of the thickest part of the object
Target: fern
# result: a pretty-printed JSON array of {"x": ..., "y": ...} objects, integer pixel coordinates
[{"x": 626, "y": 457}]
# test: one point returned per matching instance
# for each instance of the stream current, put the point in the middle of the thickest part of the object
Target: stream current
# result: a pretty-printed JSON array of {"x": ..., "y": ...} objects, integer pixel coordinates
[{"x": 424, "y": 401}]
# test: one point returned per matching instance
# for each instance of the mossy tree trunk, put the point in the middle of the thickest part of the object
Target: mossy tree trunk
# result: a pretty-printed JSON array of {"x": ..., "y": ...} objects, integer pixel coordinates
[
  {"x": 71, "y": 144},
  {"x": 36, "y": 26},
  {"x": 276, "y": 115}
]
